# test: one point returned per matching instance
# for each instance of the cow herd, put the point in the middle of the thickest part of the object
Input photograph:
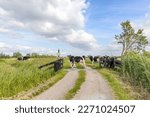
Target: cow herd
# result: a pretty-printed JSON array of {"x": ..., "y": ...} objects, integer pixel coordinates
[
  {"x": 109, "y": 62},
  {"x": 104, "y": 61}
]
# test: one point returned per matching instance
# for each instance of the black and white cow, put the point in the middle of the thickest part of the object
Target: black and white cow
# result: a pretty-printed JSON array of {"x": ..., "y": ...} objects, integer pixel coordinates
[
  {"x": 26, "y": 58},
  {"x": 105, "y": 61},
  {"x": 76, "y": 59},
  {"x": 23, "y": 58},
  {"x": 109, "y": 62},
  {"x": 72, "y": 61},
  {"x": 91, "y": 59},
  {"x": 20, "y": 58},
  {"x": 94, "y": 59}
]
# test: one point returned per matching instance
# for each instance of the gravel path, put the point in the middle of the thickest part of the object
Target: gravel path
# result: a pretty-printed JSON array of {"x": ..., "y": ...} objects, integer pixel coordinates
[
  {"x": 58, "y": 91},
  {"x": 94, "y": 88}
]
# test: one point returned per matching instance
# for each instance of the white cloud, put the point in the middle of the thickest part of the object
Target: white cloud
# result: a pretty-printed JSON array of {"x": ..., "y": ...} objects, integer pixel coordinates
[
  {"x": 60, "y": 19},
  {"x": 82, "y": 39},
  {"x": 3, "y": 30}
]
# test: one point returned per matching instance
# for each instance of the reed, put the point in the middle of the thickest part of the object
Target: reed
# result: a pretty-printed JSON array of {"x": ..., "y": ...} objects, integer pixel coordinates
[{"x": 136, "y": 67}]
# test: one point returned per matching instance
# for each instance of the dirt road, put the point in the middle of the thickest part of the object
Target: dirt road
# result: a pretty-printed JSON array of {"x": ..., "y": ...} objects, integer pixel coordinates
[
  {"x": 58, "y": 91},
  {"x": 94, "y": 88}
]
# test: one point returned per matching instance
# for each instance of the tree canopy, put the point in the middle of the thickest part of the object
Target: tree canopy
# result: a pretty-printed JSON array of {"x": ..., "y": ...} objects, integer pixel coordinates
[
  {"x": 17, "y": 54},
  {"x": 130, "y": 39}
]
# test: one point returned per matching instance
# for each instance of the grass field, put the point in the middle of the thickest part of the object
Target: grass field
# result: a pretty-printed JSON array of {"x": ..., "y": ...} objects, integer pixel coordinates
[{"x": 17, "y": 76}]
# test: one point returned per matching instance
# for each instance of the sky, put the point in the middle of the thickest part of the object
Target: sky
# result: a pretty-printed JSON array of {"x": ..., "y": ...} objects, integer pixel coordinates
[{"x": 76, "y": 27}]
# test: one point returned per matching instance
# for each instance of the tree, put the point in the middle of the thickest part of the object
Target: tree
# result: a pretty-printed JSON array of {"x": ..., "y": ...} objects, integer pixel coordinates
[
  {"x": 17, "y": 54},
  {"x": 34, "y": 55},
  {"x": 2, "y": 55},
  {"x": 131, "y": 40},
  {"x": 28, "y": 54}
]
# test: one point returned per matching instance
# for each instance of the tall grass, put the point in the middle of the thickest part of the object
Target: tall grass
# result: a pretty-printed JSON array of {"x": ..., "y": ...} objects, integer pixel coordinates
[
  {"x": 66, "y": 63},
  {"x": 137, "y": 68},
  {"x": 17, "y": 76}
]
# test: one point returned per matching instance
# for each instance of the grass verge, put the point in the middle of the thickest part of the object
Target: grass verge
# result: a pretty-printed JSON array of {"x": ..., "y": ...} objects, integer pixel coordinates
[
  {"x": 79, "y": 66},
  {"x": 17, "y": 76},
  {"x": 122, "y": 91},
  {"x": 81, "y": 78},
  {"x": 41, "y": 87}
]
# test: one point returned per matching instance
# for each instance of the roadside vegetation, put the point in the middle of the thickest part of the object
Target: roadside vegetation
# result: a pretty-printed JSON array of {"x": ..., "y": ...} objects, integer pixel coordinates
[
  {"x": 40, "y": 88},
  {"x": 17, "y": 76},
  {"x": 66, "y": 63},
  {"x": 81, "y": 78},
  {"x": 136, "y": 69},
  {"x": 122, "y": 91},
  {"x": 135, "y": 60},
  {"x": 79, "y": 66}
]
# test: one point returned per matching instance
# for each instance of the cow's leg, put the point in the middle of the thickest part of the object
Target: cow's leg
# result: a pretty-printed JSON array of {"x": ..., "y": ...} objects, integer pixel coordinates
[
  {"x": 70, "y": 64},
  {"x": 92, "y": 62},
  {"x": 81, "y": 62},
  {"x": 74, "y": 65},
  {"x": 84, "y": 64}
]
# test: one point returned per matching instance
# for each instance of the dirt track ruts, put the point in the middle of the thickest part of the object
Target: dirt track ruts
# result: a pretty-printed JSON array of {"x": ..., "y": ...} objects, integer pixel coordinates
[
  {"x": 58, "y": 91},
  {"x": 94, "y": 88}
]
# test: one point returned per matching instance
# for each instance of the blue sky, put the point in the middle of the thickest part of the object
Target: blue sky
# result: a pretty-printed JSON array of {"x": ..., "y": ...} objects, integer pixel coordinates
[
  {"x": 104, "y": 16},
  {"x": 99, "y": 24}
]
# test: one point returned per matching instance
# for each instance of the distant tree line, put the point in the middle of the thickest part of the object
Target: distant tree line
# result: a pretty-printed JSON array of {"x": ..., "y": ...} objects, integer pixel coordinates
[
  {"x": 2, "y": 55},
  {"x": 19, "y": 54}
]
